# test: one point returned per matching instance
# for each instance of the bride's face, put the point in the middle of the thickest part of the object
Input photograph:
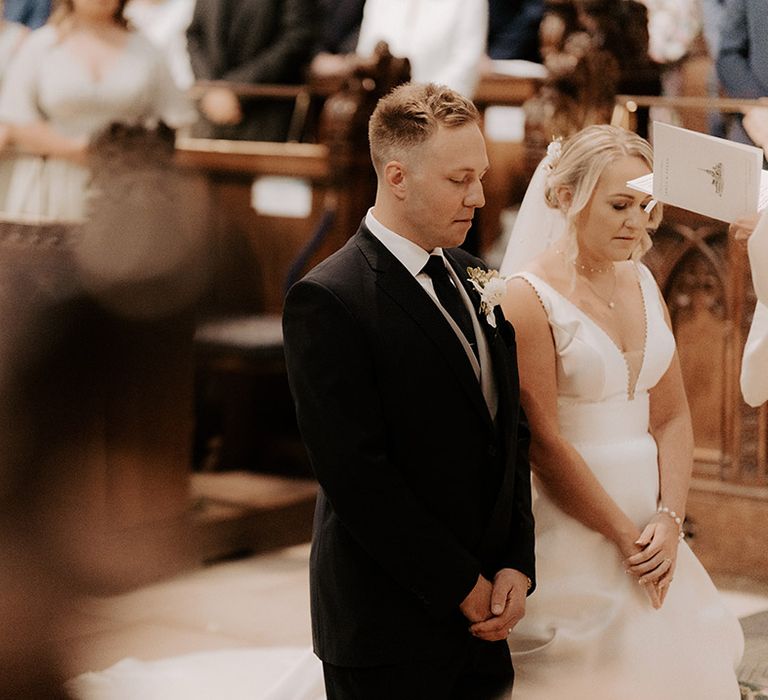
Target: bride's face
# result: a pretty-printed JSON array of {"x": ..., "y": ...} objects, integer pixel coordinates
[{"x": 614, "y": 221}]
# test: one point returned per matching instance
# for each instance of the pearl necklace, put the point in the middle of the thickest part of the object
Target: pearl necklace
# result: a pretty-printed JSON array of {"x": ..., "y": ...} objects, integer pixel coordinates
[{"x": 586, "y": 268}]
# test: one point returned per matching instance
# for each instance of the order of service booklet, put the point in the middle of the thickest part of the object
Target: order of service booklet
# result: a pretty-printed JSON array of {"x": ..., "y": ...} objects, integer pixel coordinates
[{"x": 705, "y": 174}]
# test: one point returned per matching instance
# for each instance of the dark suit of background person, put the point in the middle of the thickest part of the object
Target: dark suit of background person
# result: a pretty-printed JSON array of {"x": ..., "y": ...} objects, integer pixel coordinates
[
  {"x": 513, "y": 29},
  {"x": 251, "y": 41},
  {"x": 421, "y": 489},
  {"x": 339, "y": 25},
  {"x": 742, "y": 60},
  {"x": 32, "y": 13}
]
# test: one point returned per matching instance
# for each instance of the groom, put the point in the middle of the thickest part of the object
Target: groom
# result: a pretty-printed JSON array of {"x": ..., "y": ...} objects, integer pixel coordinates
[{"x": 407, "y": 401}]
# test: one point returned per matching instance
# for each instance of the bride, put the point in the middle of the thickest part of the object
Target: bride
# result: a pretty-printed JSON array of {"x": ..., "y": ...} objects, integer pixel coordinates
[{"x": 623, "y": 607}]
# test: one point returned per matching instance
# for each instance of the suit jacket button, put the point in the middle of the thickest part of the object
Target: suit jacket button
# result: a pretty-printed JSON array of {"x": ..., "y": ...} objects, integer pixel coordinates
[{"x": 492, "y": 451}]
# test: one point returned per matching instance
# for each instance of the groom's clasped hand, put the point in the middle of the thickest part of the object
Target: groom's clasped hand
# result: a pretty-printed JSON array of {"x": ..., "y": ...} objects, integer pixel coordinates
[{"x": 495, "y": 608}]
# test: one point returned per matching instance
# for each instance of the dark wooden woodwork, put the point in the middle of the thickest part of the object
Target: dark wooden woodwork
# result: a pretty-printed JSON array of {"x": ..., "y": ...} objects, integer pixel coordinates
[
  {"x": 245, "y": 418},
  {"x": 254, "y": 253}
]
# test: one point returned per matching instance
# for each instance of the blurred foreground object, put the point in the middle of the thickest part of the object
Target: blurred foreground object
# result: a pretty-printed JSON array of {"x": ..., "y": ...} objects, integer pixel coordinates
[{"x": 96, "y": 386}]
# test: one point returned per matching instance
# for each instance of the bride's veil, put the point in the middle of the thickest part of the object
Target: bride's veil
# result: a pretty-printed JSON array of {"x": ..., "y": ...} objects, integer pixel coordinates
[{"x": 537, "y": 225}]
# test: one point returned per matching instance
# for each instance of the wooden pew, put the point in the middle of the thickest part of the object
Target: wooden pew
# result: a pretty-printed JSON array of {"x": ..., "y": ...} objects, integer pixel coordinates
[{"x": 238, "y": 502}]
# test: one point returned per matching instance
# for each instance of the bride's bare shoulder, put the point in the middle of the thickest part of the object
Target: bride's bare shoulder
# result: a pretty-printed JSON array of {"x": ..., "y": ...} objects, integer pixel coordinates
[
  {"x": 547, "y": 266},
  {"x": 523, "y": 299}
]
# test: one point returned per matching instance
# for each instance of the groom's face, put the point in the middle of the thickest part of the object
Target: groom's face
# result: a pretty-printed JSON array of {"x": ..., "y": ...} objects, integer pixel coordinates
[{"x": 443, "y": 186}]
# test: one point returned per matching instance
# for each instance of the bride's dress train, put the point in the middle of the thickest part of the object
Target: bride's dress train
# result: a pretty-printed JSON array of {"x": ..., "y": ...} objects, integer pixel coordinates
[
  {"x": 589, "y": 632},
  {"x": 283, "y": 673}
]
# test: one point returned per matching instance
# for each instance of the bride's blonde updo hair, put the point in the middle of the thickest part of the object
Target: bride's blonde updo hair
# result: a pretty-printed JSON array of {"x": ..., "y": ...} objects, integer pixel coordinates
[{"x": 580, "y": 163}]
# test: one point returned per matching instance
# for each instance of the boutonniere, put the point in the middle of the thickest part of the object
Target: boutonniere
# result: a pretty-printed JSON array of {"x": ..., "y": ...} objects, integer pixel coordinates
[{"x": 491, "y": 287}]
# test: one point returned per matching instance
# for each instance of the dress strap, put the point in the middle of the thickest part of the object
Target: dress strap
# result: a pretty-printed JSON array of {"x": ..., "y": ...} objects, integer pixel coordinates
[{"x": 540, "y": 287}]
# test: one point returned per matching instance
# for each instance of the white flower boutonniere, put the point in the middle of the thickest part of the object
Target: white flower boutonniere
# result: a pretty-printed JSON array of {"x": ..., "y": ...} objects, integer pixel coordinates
[{"x": 491, "y": 287}]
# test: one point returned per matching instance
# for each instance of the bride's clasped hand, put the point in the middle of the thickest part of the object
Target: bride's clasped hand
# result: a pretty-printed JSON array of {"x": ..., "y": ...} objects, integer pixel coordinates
[{"x": 654, "y": 564}]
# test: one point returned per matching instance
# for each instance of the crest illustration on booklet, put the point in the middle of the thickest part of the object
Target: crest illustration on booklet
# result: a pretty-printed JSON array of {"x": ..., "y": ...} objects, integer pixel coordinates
[{"x": 705, "y": 174}]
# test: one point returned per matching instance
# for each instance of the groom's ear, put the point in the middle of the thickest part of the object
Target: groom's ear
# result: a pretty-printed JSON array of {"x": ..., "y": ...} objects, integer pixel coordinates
[{"x": 395, "y": 177}]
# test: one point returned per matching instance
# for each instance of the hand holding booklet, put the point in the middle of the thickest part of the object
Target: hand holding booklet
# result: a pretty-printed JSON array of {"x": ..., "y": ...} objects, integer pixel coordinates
[{"x": 705, "y": 174}]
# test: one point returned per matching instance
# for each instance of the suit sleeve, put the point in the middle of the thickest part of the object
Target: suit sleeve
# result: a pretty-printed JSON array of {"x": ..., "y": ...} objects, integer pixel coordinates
[
  {"x": 518, "y": 37},
  {"x": 732, "y": 64},
  {"x": 520, "y": 545},
  {"x": 291, "y": 46},
  {"x": 196, "y": 43},
  {"x": 344, "y": 428}
]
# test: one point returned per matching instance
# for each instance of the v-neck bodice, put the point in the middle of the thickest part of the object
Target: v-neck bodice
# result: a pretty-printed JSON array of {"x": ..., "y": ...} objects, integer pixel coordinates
[{"x": 591, "y": 367}]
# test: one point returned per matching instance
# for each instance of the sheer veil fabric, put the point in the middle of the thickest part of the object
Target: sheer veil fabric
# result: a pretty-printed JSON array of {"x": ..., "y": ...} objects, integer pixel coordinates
[{"x": 537, "y": 225}]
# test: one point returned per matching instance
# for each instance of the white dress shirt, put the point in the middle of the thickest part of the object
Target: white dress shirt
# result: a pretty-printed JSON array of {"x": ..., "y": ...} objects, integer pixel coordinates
[{"x": 444, "y": 40}]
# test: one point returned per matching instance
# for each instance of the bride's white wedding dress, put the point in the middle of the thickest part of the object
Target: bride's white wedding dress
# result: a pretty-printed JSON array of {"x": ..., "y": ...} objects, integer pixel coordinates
[{"x": 589, "y": 632}]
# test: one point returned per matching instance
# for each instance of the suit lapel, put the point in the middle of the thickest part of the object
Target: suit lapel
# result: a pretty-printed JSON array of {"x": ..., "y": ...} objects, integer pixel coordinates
[
  {"x": 489, "y": 331},
  {"x": 501, "y": 347},
  {"x": 403, "y": 288}
]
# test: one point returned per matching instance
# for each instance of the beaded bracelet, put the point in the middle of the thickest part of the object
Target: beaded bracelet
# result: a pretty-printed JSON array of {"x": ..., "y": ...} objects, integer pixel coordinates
[{"x": 676, "y": 518}]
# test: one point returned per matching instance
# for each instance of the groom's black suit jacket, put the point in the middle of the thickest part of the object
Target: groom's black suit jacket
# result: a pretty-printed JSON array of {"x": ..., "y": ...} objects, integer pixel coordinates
[{"x": 420, "y": 490}]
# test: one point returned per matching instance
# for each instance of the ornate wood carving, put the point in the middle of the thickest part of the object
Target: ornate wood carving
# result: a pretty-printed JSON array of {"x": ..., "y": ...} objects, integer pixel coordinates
[
  {"x": 254, "y": 254},
  {"x": 705, "y": 279}
]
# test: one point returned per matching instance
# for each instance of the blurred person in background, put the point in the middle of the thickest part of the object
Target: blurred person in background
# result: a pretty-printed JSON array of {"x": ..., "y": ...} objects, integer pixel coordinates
[
  {"x": 711, "y": 23},
  {"x": 70, "y": 79},
  {"x": 32, "y": 13},
  {"x": 754, "y": 363},
  {"x": 252, "y": 42},
  {"x": 164, "y": 23},
  {"x": 742, "y": 59},
  {"x": 444, "y": 40},
  {"x": 339, "y": 29},
  {"x": 513, "y": 29},
  {"x": 11, "y": 35}
]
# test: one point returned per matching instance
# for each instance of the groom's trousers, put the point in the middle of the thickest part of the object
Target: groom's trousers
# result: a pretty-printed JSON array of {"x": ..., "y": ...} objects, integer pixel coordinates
[{"x": 482, "y": 671}]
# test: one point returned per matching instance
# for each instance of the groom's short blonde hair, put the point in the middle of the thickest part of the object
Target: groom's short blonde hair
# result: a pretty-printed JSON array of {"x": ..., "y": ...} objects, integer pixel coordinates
[{"x": 410, "y": 114}]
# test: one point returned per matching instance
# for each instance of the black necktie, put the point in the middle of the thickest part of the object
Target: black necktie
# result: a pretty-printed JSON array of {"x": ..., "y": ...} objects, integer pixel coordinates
[{"x": 450, "y": 298}]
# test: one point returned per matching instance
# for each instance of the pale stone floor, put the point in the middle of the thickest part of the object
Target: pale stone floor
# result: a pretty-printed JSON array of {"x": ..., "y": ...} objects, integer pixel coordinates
[{"x": 261, "y": 601}]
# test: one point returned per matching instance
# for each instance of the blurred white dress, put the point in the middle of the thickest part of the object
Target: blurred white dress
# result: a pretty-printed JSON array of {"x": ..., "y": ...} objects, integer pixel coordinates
[
  {"x": 47, "y": 81},
  {"x": 754, "y": 364},
  {"x": 165, "y": 24},
  {"x": 589, "y": 632},
  {"x": 280, "y": 673}
]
